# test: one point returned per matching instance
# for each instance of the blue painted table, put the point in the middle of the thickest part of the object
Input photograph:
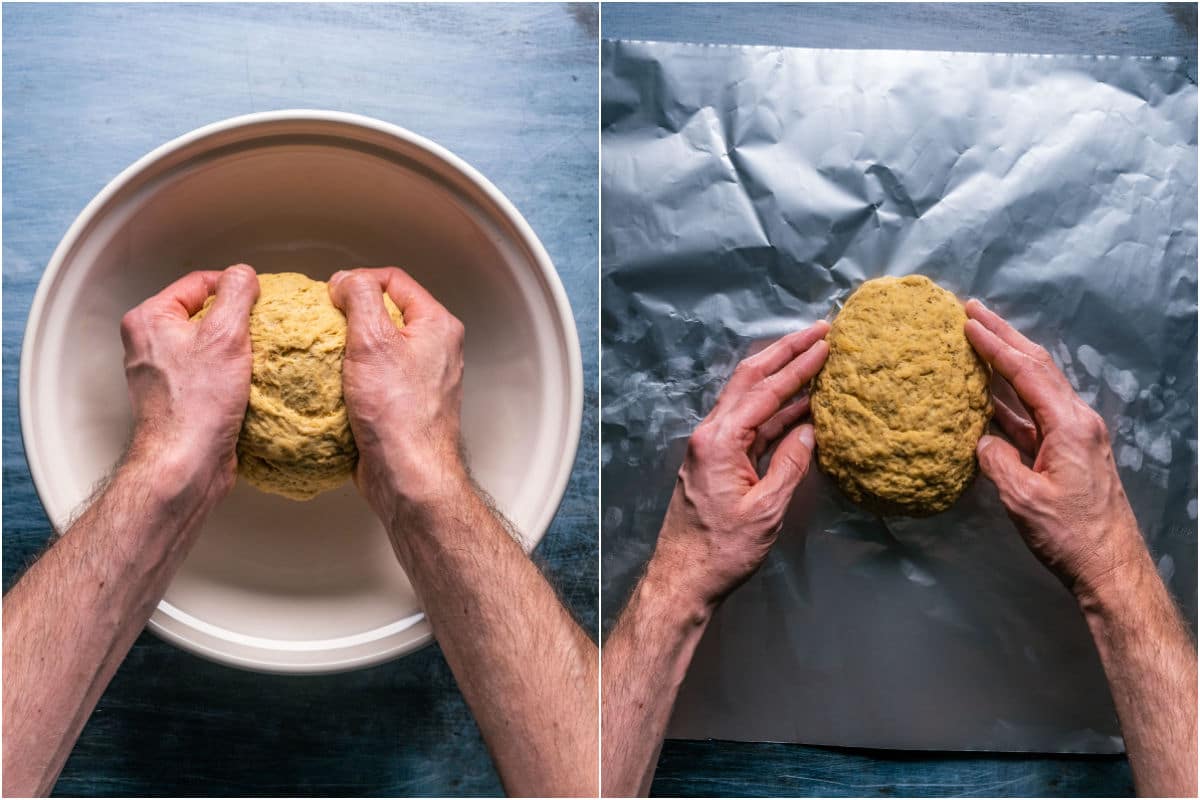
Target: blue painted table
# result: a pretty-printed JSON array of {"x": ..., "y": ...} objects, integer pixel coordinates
[
  {"x": 87, "y": 90},
  {"x": 731, "y": 768}
]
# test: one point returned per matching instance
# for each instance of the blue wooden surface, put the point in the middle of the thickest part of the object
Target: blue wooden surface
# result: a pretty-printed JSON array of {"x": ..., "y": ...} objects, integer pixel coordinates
[
  {"x": 1131, "y": 29},
  {"x": 87, "y": 90},
  {"x": 731, "y": 768}
]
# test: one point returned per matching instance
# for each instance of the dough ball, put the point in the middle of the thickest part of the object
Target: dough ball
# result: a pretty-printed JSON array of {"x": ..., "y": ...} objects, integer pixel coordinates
[
  {"x": 296, "y": 440},
  {"x": 902, "y": 399}
]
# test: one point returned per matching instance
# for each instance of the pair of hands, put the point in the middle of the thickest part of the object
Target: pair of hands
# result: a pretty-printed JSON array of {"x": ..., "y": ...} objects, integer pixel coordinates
[
  {"x": 189, "y": 383},
  {"x": 1069, "y": 506}
]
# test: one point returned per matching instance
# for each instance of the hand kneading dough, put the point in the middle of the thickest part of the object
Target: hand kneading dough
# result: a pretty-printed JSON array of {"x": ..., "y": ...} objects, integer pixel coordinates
[
  {"x": 902, "y": 399},
  {"x": 296, "y": 439}
]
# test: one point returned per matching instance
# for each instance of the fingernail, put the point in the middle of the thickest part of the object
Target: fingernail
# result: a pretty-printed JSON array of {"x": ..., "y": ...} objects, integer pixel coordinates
[
  {"x": 337, "y": 276},
  {"x": 985, "y": 442},
  {"x": 806, "y": 436}
]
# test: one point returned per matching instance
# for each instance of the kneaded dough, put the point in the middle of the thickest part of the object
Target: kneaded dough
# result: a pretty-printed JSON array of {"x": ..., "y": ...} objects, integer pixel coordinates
[
  {"x": 902, "y": 399},
  {"x": 296, "y": 440}
]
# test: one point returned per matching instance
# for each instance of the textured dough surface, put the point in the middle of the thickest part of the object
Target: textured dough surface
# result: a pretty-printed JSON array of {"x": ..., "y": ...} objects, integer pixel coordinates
[
  {"x": 296, "y": 440},
  {"x": 902, "y": 399}
]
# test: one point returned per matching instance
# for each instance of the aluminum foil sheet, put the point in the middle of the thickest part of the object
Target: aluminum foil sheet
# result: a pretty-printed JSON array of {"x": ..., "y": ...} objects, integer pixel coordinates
[{"x": 746, "y": 192}]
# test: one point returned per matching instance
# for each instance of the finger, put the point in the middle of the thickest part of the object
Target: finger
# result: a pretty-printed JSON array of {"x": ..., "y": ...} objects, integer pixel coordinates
[
  {"x": 359, "y": 295},
  {"x": 1001, "y": 463},
  {"x": 186, "y": 296},
  {"x": 773, "y": 428},
  {"x": 416, "y": 304},
  {"x": 777, "y": 355},
  {"x": 789, "y": 464},
  {"x": 998, "y": 325},
  {"x": 1019, "y": 427},
  {"x": 761, "y": 402},
  {"x": 1038, "y": 383},
  {"x": 236, "y": 292}
]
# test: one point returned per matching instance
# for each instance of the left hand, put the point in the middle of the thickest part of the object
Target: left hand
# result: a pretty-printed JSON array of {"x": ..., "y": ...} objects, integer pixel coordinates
[{"x": 189, "y": 382}]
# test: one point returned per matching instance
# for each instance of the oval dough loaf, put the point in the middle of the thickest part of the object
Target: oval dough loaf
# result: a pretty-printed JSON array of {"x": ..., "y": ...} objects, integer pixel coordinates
[
  {"x": 902, "y": 399},
  {"x": 296, "y": 440}
]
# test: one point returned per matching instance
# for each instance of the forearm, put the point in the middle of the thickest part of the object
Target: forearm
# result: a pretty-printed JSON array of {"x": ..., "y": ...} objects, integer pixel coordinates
[
  {"x": 527, "y": 671},
  {"x": 71, "y": 619},
  {"x": 645, "y": 660},
  {"x": 1150, "y": 661}
]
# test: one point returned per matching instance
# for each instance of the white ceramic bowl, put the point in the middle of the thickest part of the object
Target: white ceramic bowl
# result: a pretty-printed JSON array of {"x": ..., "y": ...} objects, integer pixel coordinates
[{"x": 274, "y": 584}]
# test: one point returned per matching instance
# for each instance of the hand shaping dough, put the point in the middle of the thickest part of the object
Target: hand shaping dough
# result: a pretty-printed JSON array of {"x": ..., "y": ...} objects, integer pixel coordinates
[
  {"x": 902, "y": 399},
  {"x": 296, "y": 440}
]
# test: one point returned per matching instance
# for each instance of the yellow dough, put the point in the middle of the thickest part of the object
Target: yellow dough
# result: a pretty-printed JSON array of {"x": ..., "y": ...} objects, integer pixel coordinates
[
  {"x": 902, "y": 399},
  {"x": 296, "y": 440}
]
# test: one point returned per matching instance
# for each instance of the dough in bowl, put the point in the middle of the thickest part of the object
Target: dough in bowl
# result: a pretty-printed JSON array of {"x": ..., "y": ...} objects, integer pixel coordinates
[
  {"x": 902, "y": 399},
  {"x": 296, "y": 440}
]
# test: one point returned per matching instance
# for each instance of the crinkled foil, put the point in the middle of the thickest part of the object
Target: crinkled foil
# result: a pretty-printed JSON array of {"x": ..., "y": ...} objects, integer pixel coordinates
[{"x": 747, "y": 191}]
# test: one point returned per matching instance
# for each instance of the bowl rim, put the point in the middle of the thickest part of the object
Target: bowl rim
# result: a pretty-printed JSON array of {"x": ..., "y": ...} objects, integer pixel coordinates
[{"x": 565, "y": 320}]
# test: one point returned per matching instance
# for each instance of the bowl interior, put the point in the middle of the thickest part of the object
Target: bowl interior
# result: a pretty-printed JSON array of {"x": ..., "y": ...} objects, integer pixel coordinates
[{"x": 275, "y": 583}]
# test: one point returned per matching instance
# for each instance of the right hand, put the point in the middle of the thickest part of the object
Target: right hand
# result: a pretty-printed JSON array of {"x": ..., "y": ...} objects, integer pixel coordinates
[
  {"x": 403, "y": 391},
  {"x": 189, "y": 382},
  {"x": 723, "y": 517},
  {"x": 1069, "y": 505}
]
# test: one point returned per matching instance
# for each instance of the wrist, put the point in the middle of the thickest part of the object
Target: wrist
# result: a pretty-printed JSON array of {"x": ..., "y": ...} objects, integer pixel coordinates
[
  {"x": 666, "y": 619},
  {"x": 148, "y": 515},
  {"x": 1121, "y": 562},
  {"x": 175, "y": 476},
  {"x": 670, "y": 585},
  {"x": 420, "y": 500},
  {"x": 1123, "y": 610},
  {"x": 1105, "y": 597}
]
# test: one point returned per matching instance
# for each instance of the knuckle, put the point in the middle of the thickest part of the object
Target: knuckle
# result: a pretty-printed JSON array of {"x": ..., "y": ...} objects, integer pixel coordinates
[
  {"x": 746, "y": 371},
  {"x": 239, "y": 273},
  {"x": 133, "y": 327},
  {"x": 455, "y": 330},
  {"x": 702, "y": 440},
  {"x": 132, "y": 320},
  {"x": 344, "y": 282},
  {"x": 766, "y": 386},
  {"x": 244, "y": 280},
  {"x": 1094, "y": 427},
  {"x": 1032, "y": 367}
]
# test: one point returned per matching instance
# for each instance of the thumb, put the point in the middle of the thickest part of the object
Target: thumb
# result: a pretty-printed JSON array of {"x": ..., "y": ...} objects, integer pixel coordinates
[
  {"x": 237, "y": 289},
  {"x": 790, "y": 462},
  {"x": 1001, "y": 462},
  {"x": 360, "y": 298}
]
